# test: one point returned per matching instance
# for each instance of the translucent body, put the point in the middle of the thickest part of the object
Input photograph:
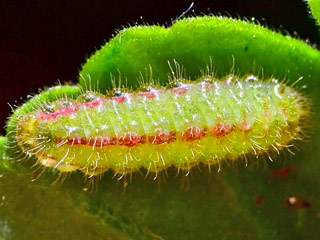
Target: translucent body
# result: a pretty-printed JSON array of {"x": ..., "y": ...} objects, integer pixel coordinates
[{"x": 205, "y": 121}]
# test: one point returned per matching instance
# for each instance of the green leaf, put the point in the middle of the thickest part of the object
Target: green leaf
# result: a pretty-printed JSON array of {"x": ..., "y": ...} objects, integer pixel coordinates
[
  {"x": 195, "y": 43},
  {"x": 315, "y": 9}
]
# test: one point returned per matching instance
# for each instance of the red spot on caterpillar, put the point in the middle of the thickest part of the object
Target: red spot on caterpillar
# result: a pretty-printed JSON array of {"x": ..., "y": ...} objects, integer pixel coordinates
[
  {"x": 221, "y": 130},
  {"x": 162, "y": 138},
  {"x": 91, "y": 104},
  {"x": 61, "y": 112},
  {"x": 77, "y": 141},
  {"x": 131, "y": 141},
  {"x": 159, "y": 92},
  {"x": 297, "y": 203},
  {"x": 90, "y": 142},
  {"x": 182, "y": 90},
  {"x": 193, "y": 134},
  {"x": 205, "y": 85},
  {"x": 68, "y": 111},
  {"x": 283, "y": 172},
  {"x": 120, "y": 99},
  {"x": 105, "y": 142},
  {"x": 149, "y": 95}
]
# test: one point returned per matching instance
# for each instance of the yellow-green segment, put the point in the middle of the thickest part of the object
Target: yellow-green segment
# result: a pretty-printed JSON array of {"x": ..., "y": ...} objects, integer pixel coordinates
[{"x": 206, "y": 121}]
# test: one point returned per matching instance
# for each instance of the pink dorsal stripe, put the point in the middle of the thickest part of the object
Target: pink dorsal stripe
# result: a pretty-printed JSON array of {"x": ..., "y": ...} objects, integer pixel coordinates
[
  {"x": 69, "y": 110},
  {"x": 121, "y": 99}
]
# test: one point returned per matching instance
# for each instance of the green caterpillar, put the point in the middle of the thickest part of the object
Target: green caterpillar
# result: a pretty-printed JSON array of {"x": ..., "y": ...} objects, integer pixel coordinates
[
  {"x": 153, "y": 47},
  {"x": 189, "y": 123}
]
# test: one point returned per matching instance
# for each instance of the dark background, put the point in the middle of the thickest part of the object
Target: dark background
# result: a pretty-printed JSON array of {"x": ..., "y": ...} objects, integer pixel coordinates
[{"x": 42, "y": 42}]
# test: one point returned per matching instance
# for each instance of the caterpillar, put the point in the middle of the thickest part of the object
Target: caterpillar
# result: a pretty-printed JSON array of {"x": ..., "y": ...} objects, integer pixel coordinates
[
  {"x": 40, "y": 128},
  {"x": 156, "y": 127}
]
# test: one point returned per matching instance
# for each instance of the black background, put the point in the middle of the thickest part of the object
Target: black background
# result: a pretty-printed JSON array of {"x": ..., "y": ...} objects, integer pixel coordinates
[{"x": 42, "y": 42}]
